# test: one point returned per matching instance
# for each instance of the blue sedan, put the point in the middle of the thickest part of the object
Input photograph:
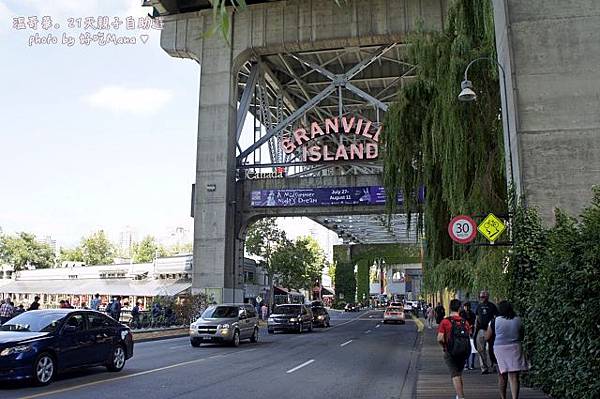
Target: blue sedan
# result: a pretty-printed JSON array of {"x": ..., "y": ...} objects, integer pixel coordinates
[{"x": 38, "y": 344}]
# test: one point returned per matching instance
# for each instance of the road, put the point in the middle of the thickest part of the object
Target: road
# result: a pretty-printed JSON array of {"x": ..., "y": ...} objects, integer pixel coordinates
[{"x": 358, "y": 357}]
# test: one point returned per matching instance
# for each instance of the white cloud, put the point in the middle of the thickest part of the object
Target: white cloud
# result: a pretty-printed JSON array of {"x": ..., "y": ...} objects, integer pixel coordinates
[{"x": 136, "y": 101}]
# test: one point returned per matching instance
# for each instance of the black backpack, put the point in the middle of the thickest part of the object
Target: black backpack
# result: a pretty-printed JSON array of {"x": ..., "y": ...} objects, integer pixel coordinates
[{"x": 459, "y": 344}]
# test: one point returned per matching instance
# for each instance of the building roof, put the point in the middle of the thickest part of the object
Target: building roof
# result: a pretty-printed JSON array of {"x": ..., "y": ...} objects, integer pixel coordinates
[{"x": 123, "y": 287}]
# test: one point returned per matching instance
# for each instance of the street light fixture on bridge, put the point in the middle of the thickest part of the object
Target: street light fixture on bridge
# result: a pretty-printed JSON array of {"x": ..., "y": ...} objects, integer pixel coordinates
[{"x": 467, "y": 94}]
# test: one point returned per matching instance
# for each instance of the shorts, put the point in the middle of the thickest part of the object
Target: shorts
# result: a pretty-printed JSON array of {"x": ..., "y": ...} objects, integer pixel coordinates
[{"x": 455, "y": 366}]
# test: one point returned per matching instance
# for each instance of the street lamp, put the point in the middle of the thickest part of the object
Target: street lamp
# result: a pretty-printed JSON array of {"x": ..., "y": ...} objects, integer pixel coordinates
[{"x": 467, "y": 94}]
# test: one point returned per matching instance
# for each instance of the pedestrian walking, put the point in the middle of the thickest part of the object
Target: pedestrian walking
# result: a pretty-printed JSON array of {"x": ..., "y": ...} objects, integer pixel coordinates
[
  {"x": 453, "y": 336},
  {"x": 467, "y": 314},
  {"x": 35, "y": 305},
  {"x": 430, "y": 316},
  {"x": 116, "y": 309},
  {"x": 6, "y": 311},
  {"x": 156, "y": 312},
  {"x": 265, "y": 311},
  {"x": 95, "y": 303},
  {"x": 18, "y": 310},
  {"x": 135, "y": 316},
  {"x": 486, "y": 311},
  {"x": 440, "y": 313},
  {"x": 508, "y": 331}
]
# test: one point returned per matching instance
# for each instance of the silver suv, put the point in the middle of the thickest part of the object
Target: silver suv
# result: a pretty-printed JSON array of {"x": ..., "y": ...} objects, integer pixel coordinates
[{"x": 226, "y": 323}]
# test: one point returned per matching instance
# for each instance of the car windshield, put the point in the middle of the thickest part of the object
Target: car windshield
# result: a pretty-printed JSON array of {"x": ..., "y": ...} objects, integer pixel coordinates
[
  {"x": 318, "y": 311},
  {"x": 394, "y": 309},
  {"x": 221, "y": 312},
  {"x": 287, "y": 309},
  {"x": 33, "y": 322}
]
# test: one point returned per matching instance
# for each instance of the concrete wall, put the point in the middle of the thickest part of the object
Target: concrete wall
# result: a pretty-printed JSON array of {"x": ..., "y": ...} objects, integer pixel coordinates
[{"x": 551, "y": 49}]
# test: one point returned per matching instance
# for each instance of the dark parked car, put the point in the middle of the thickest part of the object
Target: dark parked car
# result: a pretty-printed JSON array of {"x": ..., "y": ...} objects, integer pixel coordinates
[
  {"x": 38, "y": 344},
  {"x": 320, "y": 316},
  {"x": 290, "y": 317},
  {"x": 351, "y": 307}
]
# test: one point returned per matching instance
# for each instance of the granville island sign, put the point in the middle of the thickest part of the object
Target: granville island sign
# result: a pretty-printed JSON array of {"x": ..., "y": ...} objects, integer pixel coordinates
[{"x": 312, "y": 151}]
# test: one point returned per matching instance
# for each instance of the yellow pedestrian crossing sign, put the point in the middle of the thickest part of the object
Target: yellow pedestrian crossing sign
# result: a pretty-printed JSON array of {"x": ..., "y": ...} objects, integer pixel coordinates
[{"x": 491, "y": 227}]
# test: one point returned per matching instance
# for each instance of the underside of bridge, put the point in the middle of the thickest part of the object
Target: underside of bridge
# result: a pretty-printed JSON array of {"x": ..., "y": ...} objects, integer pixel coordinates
[{"x": 290, "y": 119}]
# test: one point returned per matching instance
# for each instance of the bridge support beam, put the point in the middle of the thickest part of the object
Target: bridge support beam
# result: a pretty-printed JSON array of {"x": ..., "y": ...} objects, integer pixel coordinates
[{"x": 269, "y": 28}]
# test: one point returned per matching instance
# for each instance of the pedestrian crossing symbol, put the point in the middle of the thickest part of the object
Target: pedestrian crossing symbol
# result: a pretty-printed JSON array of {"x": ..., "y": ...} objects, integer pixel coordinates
[{"x": 492, "y": 227}]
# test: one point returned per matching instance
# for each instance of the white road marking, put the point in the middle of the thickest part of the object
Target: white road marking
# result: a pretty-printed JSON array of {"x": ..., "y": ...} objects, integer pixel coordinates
[
  {"x": 368, "y": 331},
  {"x": 345, "y": 343},
  {"x": 378, "y": 325},
  {"x": 89, "y": 384},
  {"x": 300, "y": 366}
]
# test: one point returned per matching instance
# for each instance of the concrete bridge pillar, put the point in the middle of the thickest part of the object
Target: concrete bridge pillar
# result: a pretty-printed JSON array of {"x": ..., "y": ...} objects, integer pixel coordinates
[{"x": 214, "y": 218}]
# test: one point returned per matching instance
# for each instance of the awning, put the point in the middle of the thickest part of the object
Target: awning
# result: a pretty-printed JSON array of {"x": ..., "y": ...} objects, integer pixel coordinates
[
  {"x": 327, "y": 291},
  {"x": 121, "y": 287},
  {"x": 283, "y": 291}
]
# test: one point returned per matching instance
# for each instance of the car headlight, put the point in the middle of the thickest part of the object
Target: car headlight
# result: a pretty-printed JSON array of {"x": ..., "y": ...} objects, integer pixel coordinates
[
  {"x": 223, "y": 326},
  {"x": 321, "y": 317},
  {"x": 271, "y": 319},
  {"x": 15, "y": 350},
  {"x": 293, "y": 320}
]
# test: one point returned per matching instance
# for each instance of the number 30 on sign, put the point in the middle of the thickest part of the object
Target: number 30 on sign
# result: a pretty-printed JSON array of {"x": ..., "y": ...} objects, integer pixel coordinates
[{"x": 462, "y": 229}]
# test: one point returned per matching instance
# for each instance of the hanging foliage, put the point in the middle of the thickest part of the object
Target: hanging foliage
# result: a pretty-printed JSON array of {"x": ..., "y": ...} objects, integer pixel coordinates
[{"x": 454, "y": 149}]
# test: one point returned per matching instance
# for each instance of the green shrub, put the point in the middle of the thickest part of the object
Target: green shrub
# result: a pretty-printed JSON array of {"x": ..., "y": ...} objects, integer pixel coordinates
[{"x": 556, "y": 286}]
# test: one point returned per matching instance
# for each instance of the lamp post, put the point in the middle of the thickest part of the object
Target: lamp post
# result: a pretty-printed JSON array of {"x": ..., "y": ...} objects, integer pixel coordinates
[{"x": 467, "y": 95}]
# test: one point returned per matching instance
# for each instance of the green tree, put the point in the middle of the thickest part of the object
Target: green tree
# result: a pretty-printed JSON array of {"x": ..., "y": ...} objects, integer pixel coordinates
[
  {"x": 454, "y": 149},
  {"x": 299, "y": 264},
  {"x": 262, "y": 239},
  {"x": 96, "y": 249},
  {"x": 146, "y": 250},
  {"x": 177, "y": 249},
  {"x": 24, "y": 249}
]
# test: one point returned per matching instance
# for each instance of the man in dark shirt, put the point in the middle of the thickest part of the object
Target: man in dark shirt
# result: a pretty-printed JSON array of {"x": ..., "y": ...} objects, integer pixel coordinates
[
  {"x": 486, "y": 311},
  {"x": 440, "y": 313},
  {"x": 35, "y": 305}
]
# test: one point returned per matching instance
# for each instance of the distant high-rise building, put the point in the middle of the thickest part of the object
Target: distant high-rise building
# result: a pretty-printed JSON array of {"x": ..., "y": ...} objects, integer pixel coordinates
[
  {"x": 51, "y": 242},
  {"x": 126, "y": 241}
]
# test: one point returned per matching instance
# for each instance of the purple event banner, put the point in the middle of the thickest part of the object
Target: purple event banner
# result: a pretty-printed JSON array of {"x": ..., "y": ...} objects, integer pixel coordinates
[{"x": 368, "y": 195}]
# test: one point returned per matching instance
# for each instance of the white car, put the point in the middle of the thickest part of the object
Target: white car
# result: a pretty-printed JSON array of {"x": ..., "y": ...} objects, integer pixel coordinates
[{"x": 394, "y": 314}]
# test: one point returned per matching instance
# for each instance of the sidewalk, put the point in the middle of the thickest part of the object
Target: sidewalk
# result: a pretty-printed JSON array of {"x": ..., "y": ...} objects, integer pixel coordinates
[{"x": 434, "y": 379}]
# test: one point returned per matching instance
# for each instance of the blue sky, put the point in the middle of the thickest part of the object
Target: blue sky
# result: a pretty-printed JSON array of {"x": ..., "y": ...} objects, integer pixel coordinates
[
  {"x": 96, "y": 137},
  {"x": 93, "y": 137}
]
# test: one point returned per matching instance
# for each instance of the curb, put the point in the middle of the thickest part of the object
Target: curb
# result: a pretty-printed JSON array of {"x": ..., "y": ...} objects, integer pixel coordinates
[
  {"x": 158, "y": 338},
  {"x": 409, "y": 386}
]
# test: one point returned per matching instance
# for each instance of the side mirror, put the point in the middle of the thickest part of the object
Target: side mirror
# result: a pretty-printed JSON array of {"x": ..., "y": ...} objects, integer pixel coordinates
[{"x": 68, "y": 329}]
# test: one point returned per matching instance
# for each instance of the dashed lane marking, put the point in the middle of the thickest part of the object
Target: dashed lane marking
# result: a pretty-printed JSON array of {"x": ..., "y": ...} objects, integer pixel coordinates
[
  {"x": 300, "y": 366},
  {"x": 345, "y": 343},
  {"x": 368, "y": 331}
]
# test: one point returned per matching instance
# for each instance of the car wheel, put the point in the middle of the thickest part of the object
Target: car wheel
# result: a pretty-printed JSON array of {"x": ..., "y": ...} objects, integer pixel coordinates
[
  {"x": 44, "y": 369},
  {"x": 270, "y": 331},
  {"x": 328, "y": 324},
  {"x": 236, "y": 339},
  {"x": 196, "y": 342},
  {"x": 117, "y": 359},
  {"x": 254, "y": 337}
]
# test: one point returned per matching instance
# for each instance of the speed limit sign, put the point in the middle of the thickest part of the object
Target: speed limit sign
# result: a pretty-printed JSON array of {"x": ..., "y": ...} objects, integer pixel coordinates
[{"x": 462, "y": 229}]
